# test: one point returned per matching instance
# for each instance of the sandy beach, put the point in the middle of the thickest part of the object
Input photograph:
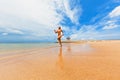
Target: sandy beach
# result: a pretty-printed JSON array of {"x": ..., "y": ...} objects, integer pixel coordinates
[{"x": 92, "y": 60}]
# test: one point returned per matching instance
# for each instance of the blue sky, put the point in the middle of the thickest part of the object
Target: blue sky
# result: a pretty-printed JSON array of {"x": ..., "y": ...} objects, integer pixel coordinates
[{"x": 35, "y": 20}]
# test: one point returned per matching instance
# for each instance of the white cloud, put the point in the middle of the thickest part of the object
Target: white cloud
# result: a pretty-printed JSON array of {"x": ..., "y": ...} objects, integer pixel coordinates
[
  {"x": 111, "y": 21},
  {"x": 65, "y": 8},
  {"x": 74, "y": 36},
  {"x": 38, "y": 11},
  {"x": 33, "y": 17},
  {"x": 72, "y": 14},
  {"x": 4, "y": 34},
  {"x": 111, "y": 26},
  {"x": 115, "y": 12},
  {"x": 15, "y": 31},
  {"x": 102, "y": 29}
]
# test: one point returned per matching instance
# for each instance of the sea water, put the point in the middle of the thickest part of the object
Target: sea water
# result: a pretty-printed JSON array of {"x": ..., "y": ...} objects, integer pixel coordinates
[{"x": 19, "y": 46}]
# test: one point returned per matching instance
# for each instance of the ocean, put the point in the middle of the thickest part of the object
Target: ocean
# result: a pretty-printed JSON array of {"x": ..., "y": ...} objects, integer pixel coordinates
[{"x": 19, "y": 46}]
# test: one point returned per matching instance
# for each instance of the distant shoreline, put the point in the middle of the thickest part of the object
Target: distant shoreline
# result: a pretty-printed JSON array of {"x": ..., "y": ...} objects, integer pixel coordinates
[{"x": 80, "y": 41}]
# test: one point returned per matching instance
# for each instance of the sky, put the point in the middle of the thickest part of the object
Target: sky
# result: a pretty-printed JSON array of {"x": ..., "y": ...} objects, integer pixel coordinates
[{"x": 35, "y": 20}]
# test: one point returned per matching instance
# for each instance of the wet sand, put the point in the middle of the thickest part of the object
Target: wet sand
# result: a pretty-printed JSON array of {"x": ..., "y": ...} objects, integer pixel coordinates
[{"x": 74, "y": 61}]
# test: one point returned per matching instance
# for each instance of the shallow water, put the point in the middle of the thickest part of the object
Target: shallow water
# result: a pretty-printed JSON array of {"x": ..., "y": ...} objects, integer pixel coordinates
[{"x": 19, "y": 46}]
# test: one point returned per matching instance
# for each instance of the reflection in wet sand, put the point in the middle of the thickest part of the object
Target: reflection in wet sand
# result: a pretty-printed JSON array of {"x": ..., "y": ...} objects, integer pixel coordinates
[
  {"x": 69, "y": 48},
  {"x": 60, "y": 62}
]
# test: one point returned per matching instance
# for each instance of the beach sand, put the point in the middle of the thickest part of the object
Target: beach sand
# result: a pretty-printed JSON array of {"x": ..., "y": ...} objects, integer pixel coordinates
[{"x": 92, "y": 60}]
